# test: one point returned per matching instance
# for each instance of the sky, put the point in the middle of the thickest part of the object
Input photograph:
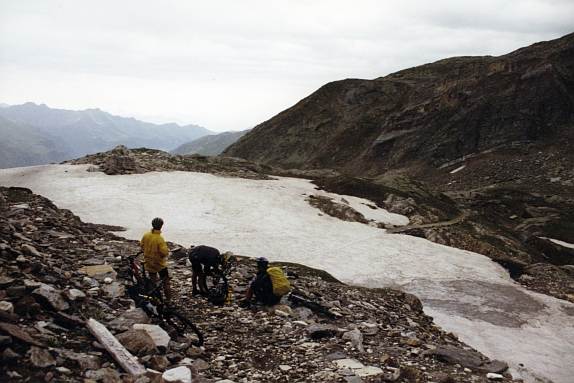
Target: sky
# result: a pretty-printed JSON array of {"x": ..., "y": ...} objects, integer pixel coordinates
[{"x": 230, "y": 65}]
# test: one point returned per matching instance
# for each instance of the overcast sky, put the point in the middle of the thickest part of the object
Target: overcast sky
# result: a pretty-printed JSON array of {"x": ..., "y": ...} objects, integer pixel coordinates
[{"x": 229, "y": 65}]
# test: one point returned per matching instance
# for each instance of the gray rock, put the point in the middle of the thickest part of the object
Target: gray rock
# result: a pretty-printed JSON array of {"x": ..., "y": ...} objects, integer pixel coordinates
[
  {"x": 99, "y": 272},
  {"x": 158, "y": 335},
  {"x": 31, "y": 250},
  {"x": 158, "y": 362},
  {"x": 130, "y": 317},
  {"x": 31, "y": 284},
  {"x": 349, "y": 363},
  {"x": 50, "y": 297},
  {"x": 113, "y": 290},
  {"x": 391, "y": 374},
  {"x": 467, "y": 358},
  {"x": 41, "y": 357},
  {"x": 6, "y": 307},
  {"x": 368, "y": 371},
  {"x": 303, "y": 313},
  {"x": 90, "y": 282},
  {"x": 64, "y": 370},
  {"x": 200, "y": 364},
  {"x": 356, "y": 338},
  {"x": 138, "y": 342},
  {"x": 5, "y": 281},
  {"x": 75, "y": 295},
  {"x": 177, "y": 375},
  {"x": 83, "y": 361},
  {"x": 107, "y": 375}
]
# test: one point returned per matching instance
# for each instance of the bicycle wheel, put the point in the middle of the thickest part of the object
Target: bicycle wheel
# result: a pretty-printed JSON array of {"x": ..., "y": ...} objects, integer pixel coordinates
[
  {"x": 183, "y": 326},
  {"x": 217, "y": 295}
]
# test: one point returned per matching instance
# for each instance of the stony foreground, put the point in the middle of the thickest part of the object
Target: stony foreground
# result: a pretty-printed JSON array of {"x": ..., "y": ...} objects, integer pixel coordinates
[{"x": 57, "y": 272}]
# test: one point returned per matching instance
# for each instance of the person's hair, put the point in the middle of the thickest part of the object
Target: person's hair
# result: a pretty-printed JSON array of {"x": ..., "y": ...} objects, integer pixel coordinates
[
  {"x": 262, "y": 262},
  {"x": 157, "y": 223}
]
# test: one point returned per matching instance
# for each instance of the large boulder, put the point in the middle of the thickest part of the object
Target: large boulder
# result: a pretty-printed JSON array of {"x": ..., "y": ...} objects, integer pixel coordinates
[{"x": 120, "y": 161}]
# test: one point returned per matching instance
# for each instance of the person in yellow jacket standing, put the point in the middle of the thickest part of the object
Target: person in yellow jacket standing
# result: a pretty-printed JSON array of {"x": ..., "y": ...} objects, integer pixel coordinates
[{"x": 155, "y": 255}]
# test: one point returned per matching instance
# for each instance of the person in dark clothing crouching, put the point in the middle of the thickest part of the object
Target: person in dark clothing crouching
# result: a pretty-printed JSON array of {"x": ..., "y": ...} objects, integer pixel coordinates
[
  {"x": 204, "y": 261},
  {"x": 268, "y": 285}
]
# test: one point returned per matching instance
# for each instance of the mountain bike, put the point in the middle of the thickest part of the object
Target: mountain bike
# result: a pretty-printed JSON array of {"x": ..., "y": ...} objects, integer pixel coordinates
[
  {"x": 219, "y": 291},
  {"x": 147, "y": 294},
  {"x": 299, "y": 299}
]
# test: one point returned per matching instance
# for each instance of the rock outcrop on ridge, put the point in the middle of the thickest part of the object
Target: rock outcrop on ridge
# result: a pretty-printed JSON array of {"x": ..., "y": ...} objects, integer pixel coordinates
[
  {"x": 122, "y": 160},
  {"x": 57, "y": 271}
]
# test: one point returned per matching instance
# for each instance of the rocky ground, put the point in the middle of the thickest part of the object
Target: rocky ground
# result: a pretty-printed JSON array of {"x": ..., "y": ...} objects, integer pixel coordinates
[
  {"x": 121, "y": 160},
  {"x": 506, "y": 204},
  {"x": 56, "y": 272}
]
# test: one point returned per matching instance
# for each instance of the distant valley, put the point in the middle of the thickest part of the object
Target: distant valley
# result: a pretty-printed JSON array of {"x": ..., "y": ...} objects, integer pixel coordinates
[{"x": 35, "y": 134}]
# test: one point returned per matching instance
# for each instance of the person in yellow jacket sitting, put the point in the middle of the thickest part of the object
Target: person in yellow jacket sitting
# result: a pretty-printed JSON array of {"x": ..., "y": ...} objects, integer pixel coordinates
[
  {"x": 268, "y": 286},
  {"x": 155, "y": 255}
]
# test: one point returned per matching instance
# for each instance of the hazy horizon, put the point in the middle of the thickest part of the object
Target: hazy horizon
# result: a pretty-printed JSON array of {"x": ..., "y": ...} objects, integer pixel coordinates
[{"x": 227, "y": 65}]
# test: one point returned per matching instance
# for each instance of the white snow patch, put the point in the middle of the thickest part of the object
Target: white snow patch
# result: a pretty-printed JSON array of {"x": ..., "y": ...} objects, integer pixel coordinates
[
  {"x": 561, "y": 243},
  {"x": 457, "y": 169},
  {"x": 465, "y": 292}
]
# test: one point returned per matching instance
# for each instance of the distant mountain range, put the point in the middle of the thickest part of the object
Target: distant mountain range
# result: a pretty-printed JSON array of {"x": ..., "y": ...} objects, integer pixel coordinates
[
  {"x": 210, "y": 145},
  {"x": 35, "y": 134}
]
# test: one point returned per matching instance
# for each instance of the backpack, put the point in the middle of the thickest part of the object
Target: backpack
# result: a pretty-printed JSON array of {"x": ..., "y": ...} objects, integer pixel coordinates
[{"x": 281, "y": 285}]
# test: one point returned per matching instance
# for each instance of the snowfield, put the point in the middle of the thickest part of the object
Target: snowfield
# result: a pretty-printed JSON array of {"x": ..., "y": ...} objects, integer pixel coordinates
[{"x": 465, "y": 292}]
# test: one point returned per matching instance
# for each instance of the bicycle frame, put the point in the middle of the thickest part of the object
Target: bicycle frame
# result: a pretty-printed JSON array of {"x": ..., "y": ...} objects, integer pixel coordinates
[{"x": 148, "y": 295}]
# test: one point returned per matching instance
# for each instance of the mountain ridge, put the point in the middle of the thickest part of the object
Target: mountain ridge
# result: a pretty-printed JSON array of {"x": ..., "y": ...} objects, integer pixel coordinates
[
  {"x": 85, "y": 131},
  {"x": 432, "y": 113}
]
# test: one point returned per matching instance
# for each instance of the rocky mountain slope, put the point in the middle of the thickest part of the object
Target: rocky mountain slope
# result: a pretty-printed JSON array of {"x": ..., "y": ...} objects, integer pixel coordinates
[
  {"x": 424, "y": 116},
  {"x": 23, "y": 145},
  {"x": 58, "y": 134},
  {"x": 210, "y": 145},
  {"x": 57, "y": 272}
]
